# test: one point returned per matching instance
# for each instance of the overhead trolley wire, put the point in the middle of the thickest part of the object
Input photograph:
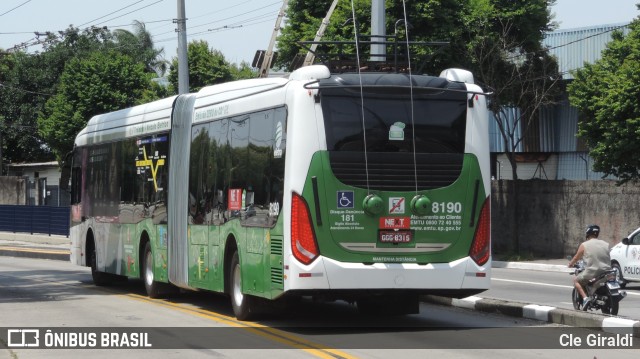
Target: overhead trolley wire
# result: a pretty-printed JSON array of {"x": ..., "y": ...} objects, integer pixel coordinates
[
  {"x": 8, "y": 11},
  {"x": 130, "y": 12},
  {"x": 111, "y": 13}
]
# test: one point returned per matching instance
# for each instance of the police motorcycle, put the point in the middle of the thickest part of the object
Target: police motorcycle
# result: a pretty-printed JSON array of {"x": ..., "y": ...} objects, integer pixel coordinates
[{"x": 604, "y": 291}]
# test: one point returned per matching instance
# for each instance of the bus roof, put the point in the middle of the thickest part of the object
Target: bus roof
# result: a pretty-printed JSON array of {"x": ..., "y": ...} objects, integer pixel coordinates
[{"x": 137, "y": 120}]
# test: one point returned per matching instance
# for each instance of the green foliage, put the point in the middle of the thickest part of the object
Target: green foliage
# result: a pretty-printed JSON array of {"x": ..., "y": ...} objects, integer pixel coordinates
[
  {"x": 504, "y": 27},
  {"x": 103, "y": 82},
  {"x": 28, "y": 81},
  {"x": 25, "y": 86},
  {"x": 242, "y": 71},
  {"x": 206, "y": 67},
  {"x": 154, "y": 91},
  {"x": 140, "y": 47},
  {"x": 606, "y": 94}
]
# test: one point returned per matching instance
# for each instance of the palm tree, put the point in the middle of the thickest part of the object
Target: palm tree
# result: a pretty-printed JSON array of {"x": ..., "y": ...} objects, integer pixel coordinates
[{"x": 139, "y": 45}]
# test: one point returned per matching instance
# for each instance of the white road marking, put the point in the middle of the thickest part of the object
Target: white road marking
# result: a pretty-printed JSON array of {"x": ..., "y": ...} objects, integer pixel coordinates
[{"x": 546, "y": 284}]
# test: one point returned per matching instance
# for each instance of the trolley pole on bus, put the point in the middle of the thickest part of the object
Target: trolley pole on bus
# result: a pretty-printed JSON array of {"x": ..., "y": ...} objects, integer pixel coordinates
[{"x": 183, "y": 66}]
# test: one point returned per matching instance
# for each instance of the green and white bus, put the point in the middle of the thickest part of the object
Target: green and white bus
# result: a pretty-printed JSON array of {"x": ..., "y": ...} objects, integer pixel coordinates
[{"x": 370, "y": 188}]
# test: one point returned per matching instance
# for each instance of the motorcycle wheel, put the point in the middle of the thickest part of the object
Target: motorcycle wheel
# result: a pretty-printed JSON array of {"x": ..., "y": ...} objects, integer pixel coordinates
[
  {"x": 576, "y": 300},
  {"x": 619, "y": 276},
  {"x": 611, "y": 306}
]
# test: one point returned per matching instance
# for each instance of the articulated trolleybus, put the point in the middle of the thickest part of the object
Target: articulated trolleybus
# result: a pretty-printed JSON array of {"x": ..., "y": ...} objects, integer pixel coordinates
[{"x": 370, "y": 188}]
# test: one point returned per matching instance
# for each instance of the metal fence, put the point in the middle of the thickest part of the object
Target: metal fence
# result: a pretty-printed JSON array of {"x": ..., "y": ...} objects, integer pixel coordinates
[{"x": 34, "y": 219}]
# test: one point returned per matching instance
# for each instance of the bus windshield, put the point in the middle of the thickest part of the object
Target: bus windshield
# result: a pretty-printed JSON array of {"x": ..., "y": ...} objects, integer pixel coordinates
[{"x": 439, "y": 119}]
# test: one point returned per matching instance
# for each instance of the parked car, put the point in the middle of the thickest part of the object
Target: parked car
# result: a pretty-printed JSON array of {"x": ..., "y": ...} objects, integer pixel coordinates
[{"x": 625, "y": 257}]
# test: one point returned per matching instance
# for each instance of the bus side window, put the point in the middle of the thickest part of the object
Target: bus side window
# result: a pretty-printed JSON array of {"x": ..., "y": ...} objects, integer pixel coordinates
[{"x": 76, "y": 180}]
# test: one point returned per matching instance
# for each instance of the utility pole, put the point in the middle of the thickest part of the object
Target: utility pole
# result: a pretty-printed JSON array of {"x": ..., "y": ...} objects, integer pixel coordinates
[
  {"x": 308, "y": 60},
  {"x": 268, "y": 58},
  {"x": 183, "y": 65},
  {"x": 378, "y": 30}
]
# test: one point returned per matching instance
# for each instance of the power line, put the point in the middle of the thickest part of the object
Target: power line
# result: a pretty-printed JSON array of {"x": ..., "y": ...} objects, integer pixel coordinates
[
  {"x": 231, "y": 17},
  {"x": 590, "y": 36},
  {"x": 220, "y": 10},
  {"x": 569, "y": 43},
  {"x": 36, "y": 41},
  {"x": 111, "y": 13},
  {"x": 24, "y": 3},
  {"x": 240, "y": 23},
  {"x": 25, "y": 91},
  {"x": 130, "y": 12},
  {"x": 219, "y": 20}
]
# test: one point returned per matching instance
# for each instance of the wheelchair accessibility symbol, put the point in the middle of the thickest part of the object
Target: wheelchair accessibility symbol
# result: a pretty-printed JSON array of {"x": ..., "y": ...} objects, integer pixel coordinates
[{"x": 345, "y": 199}]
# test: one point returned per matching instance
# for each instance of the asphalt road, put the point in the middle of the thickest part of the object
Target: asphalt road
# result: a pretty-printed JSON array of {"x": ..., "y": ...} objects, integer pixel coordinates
[
  {"x": 56, "y": 296},
  {"x": 550, "y": 288}
]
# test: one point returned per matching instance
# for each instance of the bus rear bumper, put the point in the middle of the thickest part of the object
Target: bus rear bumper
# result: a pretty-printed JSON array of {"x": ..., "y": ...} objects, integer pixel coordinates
[
  {"x": 77, "y": 254},
  {"x": 327, "y": 274}
]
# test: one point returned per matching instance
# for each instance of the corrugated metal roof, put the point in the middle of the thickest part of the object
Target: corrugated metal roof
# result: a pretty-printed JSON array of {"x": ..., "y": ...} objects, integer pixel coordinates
[
  {"x": 574, "y": 47},
  {"x": 558, "y": 124}
]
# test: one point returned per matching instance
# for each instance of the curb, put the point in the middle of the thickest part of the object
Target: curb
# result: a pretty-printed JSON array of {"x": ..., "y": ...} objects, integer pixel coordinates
[
  {"x": 532, "y": 266},
  {"x": 37, "y": 253},
  {"x": 574, "y": 318}
]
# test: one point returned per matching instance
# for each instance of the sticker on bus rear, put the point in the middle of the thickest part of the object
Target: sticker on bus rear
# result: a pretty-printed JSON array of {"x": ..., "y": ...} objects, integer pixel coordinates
[
  {"x": 396, "y": 132},
  {"x": 395, "y": 222},
  {"x": 396, "y": 205},
  {"x": 345, "y": 199}
]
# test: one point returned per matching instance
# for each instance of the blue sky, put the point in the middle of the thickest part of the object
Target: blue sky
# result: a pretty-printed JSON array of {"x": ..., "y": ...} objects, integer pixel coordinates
[{"x": 249, "y": 23}]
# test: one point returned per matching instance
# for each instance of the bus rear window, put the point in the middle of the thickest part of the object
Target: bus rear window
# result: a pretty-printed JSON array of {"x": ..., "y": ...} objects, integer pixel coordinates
[{"x": 439, "y": 119}]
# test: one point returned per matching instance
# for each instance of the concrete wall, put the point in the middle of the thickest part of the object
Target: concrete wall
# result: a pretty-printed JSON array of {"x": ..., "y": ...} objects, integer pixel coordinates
[
  {"x": 13, "y": 190},
  {"x": 553, "y": 215}
]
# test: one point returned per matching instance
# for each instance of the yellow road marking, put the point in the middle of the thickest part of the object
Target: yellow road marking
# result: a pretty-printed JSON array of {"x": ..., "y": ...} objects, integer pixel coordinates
[
  {"x": 273, "y": 334},
  {"x": 315, "y": 349},
  {"x": 36, "y": 250}
]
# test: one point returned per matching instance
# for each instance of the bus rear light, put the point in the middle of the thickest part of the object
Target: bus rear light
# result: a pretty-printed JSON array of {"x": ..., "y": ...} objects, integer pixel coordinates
[
  {"x": 303, "y": 239},
  {"x": 481, "y": 246}
]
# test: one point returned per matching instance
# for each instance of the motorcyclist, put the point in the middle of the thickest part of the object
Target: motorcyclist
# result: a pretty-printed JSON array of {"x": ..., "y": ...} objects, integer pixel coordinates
[{"x": 596, "y": 257}]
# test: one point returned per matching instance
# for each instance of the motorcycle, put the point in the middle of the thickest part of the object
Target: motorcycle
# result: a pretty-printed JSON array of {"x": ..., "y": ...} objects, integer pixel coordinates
[{"x": 604, "y": 292}]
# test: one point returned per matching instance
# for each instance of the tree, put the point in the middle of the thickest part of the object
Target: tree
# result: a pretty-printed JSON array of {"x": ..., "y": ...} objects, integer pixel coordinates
[
  {"x": 242, "y": 71},
  {"x": 29, "y": 80},
  {"x": 606, "y": 94},
  {"x": 206, "y": 67},
  {"x": 103, "y": 82},
  {"x": 26, "y": 85},
  {"x": 430, "y": 20},
  {"x": 140, "y": 47},
  {"x": 504, "y": 49},
  {"x": 500, "y": 41},
  {"x": 502, "y": 45}
]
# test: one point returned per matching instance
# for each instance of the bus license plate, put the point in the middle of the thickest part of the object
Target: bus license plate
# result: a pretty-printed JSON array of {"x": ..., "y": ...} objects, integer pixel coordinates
[{"x": 394, "y": 236}]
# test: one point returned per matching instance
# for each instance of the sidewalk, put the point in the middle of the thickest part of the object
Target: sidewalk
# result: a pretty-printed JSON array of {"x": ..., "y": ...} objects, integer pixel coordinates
[
  {"x": 546, "y": 265},
  {"x": 57, "y": 248},
  {"x": 39, "y": 246}
]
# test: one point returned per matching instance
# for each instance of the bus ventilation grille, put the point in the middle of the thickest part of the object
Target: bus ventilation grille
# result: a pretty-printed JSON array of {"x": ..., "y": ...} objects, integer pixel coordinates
[
  {"x": 276, "y": 246},
  {"x": 276, "y": 275},
  {"x": 395, "y": 171}
]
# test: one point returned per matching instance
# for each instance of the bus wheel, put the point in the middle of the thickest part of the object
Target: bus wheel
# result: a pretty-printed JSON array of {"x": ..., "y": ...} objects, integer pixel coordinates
[
  {"x": 152, "y": 287},
  {"x": 243, "y": 305},
  {"x": 99, "y": 278}
]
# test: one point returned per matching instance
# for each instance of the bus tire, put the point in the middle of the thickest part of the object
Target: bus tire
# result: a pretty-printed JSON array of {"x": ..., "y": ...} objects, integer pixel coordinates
[
  {"x": 152, "y": 287},
  {"x": 99, "y": 278},
  {"x": 243, "y": 305}
]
